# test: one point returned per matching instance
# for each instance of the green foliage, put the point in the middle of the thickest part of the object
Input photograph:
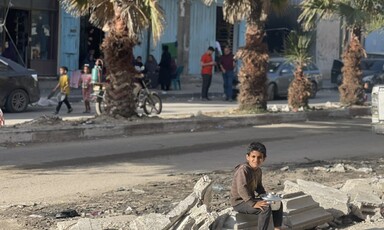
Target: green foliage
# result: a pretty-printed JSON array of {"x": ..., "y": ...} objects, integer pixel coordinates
[
  {"x": 137, "y": 15},
  {"x": 297, "y": 47},
  {"x": 357, "y": 14}
]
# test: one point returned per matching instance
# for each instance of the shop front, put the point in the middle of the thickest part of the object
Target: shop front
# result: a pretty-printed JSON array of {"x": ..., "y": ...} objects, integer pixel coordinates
[{"x": 29, "y": 33}]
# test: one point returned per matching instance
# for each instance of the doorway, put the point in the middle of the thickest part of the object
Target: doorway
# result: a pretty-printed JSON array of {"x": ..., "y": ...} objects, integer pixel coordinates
[
  {"x": 224, "y": 30},
  {"x": 17, "y": 25}
]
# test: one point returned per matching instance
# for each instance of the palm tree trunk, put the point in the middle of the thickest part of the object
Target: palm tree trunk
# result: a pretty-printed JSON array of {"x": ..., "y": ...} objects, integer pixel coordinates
[
  {"x": 253, "y": 74},
  {"x": 299, "y": 91},
  {"x": 351, "y": 90},
  {"x": 118, "y": 52}
]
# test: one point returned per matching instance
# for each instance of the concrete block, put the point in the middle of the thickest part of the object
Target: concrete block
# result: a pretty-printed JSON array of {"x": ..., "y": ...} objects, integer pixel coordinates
[
  {"x": 291, "y": 187},
  {"x": 364, "y": 201},
  {"x": 299, "y": 204},
  {"x": 221, "y": 219},
  {"x": 333, "y": 200},
  {"x": 378, "y": 187},
  {"x": 200, "y": 189},
  {"x": 308, "y": 219},
  {"x": 152, "y": 221},
  {"x": 81, "y": 224},
  {"x": 243, "y": 221},
  {"x": 302, "y": 212}
]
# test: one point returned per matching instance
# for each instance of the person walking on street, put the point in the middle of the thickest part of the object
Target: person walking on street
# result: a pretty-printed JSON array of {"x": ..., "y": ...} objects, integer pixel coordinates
[
  {"x": 227, "y": 66},
  {"x": 247, "y": 189},
  {"x": 64, "y": 90},
  {"x": 165, "y": 69},
  {"x": 86, "y": 87},
  {"x": 207, "y": 65}
]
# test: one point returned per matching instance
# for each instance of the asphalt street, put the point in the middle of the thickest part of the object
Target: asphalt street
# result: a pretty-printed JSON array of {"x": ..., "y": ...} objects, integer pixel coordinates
[{"x": 51, "y": 171}]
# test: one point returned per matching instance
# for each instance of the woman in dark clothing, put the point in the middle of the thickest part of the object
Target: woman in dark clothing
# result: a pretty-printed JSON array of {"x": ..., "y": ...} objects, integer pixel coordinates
[
  {"x": 165, "y": 69},
  {"x": 151, "y": 69}
]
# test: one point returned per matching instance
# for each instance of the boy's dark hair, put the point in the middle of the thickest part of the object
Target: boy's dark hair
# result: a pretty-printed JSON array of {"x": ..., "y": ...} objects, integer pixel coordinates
[
  {"x": 64, "y": 68},
  {"x": 211, "y": 49},
  {"x": 257, "y": 146}
]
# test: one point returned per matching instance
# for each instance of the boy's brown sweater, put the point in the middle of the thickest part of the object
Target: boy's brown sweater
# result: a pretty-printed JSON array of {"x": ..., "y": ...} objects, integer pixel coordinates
[{"x": 246, "y": 181}]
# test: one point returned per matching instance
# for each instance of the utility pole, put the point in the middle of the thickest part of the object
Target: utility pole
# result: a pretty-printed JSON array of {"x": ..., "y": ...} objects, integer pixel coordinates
[{"x": 183, "y": 33}]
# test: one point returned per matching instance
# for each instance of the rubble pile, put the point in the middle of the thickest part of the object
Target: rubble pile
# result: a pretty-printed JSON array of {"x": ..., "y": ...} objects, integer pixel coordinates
[{"x": 306, "y": 205}]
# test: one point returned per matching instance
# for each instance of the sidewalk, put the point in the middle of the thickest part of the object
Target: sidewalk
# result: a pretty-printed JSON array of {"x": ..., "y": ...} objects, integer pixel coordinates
[{"x": 190, "y": 88}]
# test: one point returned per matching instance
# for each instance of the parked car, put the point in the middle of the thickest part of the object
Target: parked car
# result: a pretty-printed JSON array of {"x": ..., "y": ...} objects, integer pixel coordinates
[
  {"x": 281, "y": 73},
  {"x": 19, "y": 86},
  {"x": 372, "y": 69}
]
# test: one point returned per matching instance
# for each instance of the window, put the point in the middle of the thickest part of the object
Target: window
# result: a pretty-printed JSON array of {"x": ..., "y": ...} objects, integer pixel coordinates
[{"x": 41, "y": 43}]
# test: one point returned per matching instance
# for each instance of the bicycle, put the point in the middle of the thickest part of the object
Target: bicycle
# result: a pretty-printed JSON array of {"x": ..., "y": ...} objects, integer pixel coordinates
[{"x": 147, "y": 100}]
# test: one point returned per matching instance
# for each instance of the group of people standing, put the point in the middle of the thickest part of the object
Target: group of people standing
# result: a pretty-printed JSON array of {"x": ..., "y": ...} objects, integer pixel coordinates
[
  {"x": 227, "y": 65},
  {"x": 159, "y": 73}
]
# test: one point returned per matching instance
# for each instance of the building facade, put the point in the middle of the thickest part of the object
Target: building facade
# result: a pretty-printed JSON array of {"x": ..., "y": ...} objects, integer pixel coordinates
[{"x": 30, "y": 29}]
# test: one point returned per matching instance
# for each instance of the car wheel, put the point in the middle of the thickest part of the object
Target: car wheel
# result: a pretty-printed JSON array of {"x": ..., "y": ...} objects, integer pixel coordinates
[
  {"x": 313, "y": 89},
  {"x": 271, "y": 92},
  {"x": 17, "y": 101}
]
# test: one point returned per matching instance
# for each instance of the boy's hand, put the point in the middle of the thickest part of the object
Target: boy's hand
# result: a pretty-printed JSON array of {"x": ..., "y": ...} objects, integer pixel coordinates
[{"x": 261, "y": 204}]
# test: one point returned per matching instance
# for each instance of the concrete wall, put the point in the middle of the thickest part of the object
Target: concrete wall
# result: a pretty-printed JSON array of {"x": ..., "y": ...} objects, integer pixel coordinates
[{"x": 328, "y": 39}]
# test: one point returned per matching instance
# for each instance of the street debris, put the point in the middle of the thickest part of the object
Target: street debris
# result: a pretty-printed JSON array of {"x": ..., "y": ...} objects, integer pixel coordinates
[{"x": 343, "y": 200}]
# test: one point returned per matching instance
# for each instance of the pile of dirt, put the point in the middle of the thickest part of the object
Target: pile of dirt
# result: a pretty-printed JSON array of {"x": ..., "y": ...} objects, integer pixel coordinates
[{"x": 161, "y": 197}]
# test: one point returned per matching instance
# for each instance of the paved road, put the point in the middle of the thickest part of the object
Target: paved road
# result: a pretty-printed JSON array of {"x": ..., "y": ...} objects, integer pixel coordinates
[
  {"x": 172, "y": 106},
  {"x": 47, "y": 172}
]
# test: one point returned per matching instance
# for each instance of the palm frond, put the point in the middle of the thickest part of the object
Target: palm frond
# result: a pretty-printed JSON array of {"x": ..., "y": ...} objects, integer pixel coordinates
[
  {"x": 77, "y": 7},
  {"x": 297, "y": 48},
  {"x": 138, "y": 15},
  {"x": 157, "y": 17},
  {"x": 313, "y": 10},
  {"x": 353, "y": 17},
  {"x": 375, "y": 24},
  {"x": 101, "y": 13},
  {"x": 236, "y": 10},
  {"x": 208, "y": 2}
]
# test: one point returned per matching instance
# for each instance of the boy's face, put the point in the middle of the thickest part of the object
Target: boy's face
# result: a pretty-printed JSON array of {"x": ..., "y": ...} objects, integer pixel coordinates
[
  {"x": 62, "y": 71},
  {"x": 255, "y": 159}
]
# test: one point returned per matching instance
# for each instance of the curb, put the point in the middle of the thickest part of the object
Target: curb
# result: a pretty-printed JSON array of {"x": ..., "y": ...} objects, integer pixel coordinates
[{"x": 144, "y": 127}]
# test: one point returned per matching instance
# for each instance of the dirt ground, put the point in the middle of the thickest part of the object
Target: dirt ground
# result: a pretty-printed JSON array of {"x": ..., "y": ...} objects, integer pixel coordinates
[{"x": 161, "y": 195}]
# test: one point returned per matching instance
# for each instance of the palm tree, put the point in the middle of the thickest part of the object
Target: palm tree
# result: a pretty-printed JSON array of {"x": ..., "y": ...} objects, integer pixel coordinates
[
  {"x": 359, "y": 16},
  {"x": 125, "y": 19},
  {"x": 296, "y": 52},
  {"x": 254, "y": 55}
]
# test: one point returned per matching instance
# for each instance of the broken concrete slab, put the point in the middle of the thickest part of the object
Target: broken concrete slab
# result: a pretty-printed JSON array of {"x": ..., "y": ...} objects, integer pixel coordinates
[
  {"x": 114, "y": 222},
  {"x": 152, "y": 221},
  {"x": 333, "y": 200},
  {"x": 81, "y": 224},
  {"x": 243, "y": 221},
  {"x": 302, "y": 212},
  {"x": 361, "y": 190},
  {"x": 364, "y": 201},
  {"x": 198, "y": 195},
  {"x": 221, "y": 219}
]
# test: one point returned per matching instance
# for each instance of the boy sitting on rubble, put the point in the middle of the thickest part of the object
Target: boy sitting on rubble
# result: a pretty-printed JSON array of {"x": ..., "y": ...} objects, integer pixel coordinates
[{"x": 247, "y": 182}]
